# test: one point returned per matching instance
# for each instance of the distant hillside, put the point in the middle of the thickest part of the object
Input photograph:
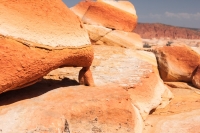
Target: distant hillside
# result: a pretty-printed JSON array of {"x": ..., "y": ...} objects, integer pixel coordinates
[{"x": 157, "y": 30}]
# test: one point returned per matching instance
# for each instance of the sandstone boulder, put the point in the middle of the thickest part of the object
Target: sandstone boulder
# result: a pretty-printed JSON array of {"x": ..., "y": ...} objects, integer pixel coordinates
[
  {"x": 196, "y": 78},
  {"x": 37, "y": 37},
  {"x": 128, "y": 88},
  {"x": 123, "y": 5},
  {"x": 70, "y": 109},
  {"x": 100, "y": 35},
  {"x": 107, "y": 14},
  {"x": 177, "y": 62},
  {"x": 134, "y": 71}
]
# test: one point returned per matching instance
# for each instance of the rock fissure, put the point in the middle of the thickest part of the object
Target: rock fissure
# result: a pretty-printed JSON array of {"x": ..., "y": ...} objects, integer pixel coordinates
[{"x": 66, "y": 127}]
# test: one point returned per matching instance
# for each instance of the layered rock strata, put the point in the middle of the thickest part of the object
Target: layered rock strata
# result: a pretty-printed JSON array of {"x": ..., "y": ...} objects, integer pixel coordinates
[
  {"x": 105, "y": 24},
  {"x": 157, "y": 30}
]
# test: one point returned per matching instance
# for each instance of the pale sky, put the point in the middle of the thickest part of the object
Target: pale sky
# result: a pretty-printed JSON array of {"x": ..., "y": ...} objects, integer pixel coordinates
[{"x": 184, "y": 13}]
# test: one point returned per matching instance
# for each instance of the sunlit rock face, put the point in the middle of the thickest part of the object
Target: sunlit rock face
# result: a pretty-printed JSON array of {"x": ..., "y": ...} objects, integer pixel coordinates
[
  {"x": 109, "y": 22},
  {"x": 43, "y": 22},
  {"x": 110, "y": 14},
  {"x": 36, "y": 37},
  {"x": 177, "y": 62}
]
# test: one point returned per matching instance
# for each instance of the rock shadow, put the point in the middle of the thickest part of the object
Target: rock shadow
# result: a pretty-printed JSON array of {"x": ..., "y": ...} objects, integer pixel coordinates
[{"x": 35, "y": 90}]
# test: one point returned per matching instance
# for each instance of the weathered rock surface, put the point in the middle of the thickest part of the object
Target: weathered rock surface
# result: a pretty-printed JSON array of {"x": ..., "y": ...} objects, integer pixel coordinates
[
  {"x": 131, "y": 70},
  {"x": 51, "y": 23},
  {"x": 177, "y": 62},
  {"x": 196, "y": 78},
  {"x": 96, "y": 32},
  {"x": 70, "y": 109},
  {"x": 128, "y": 88},
  {"x": 22, "y": 65},
  {"x": 181, "y": 115},
  {"x": 123, "y": 5},
  {"x": 122, "y": 39},
  {"x": 30, "y": 47},
  {"x": 107, "y": 14},
  {"x": 156, "y": 30},
  {"x": 187, "y": 122},
  {"x": 105, "y": 36},
  {"x": 106, "y": 26}
]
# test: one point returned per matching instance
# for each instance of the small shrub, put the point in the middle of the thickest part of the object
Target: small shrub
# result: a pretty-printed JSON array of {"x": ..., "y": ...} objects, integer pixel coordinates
[
  {"x": 146, "y": 45},
  {"x": 169, "y": 43}
]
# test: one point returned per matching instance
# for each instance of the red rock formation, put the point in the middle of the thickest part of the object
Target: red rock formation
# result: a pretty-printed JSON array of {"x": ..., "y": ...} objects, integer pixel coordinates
[
  {"x": 105, "y": 24},
  {"x": 196, "y": 78},
  {"x": 177, "y": 62},
  {"x": 22, "y": 65},
  {"x": 37, "y": 37},
  {"x": 107, "y": 15},
  {"x": 156, "y": 30},
  {"x": 129, "y": 87}
]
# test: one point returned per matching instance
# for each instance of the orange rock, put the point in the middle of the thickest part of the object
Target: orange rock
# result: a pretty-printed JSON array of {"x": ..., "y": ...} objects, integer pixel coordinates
[
  {"x": 134, "y": 71},
  {"x": 37, "y": 37},
  {"x": 107, "y": 14},
  {"x": 70, "y": 109},
  {"x": 100, "y": 35},
  {"x": 181, "y": 115},
  {"x": 123, "y": 5},
  {"x": 121, "y": 38},
  {"x": 43, "y": 22},
  {"x": 129, "y": 87},
  {"x": 149, "y": 94},
  {"x": 196, "y": 78},
  {"x": 23, "y": 65},
  {"x": 187, "y": 122},
  {"x": 177, "y": 62}
]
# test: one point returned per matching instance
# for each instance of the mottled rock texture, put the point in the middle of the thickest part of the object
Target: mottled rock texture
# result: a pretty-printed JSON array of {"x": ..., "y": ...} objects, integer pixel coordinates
[{"x": 37, "y": 37}]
